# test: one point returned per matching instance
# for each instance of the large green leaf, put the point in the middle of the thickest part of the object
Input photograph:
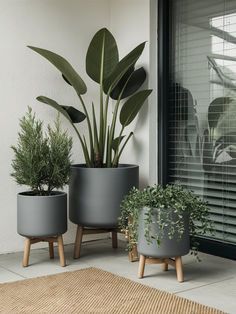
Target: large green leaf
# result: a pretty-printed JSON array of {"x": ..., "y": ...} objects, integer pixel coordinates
[
  {"x": 65, "y": 79},
  {"x": 102, "y": 55},
  {"x": 132, "y": 106},
  {"x": 65, "y": 68},
  {"x": 72, "y": 114},
  {"x": 133, "y": 80},
  {"x": 122, "y": 67}
]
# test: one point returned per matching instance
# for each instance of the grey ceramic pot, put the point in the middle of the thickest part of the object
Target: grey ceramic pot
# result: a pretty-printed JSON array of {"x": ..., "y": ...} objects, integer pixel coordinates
[
  {"x": 95, "y": 194},
  {"x": 168, "y": 247},
  {"x": 39, "y": 216}
]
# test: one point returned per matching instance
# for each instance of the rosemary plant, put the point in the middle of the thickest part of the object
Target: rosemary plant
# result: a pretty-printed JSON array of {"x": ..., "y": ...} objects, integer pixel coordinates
[{"x": 41, "y": 161}]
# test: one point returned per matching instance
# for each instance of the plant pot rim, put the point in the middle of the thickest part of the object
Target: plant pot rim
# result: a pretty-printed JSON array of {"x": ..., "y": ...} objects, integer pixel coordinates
[
  {"x": 120, "y": 166},
  {"x": 54, "y": 194}
]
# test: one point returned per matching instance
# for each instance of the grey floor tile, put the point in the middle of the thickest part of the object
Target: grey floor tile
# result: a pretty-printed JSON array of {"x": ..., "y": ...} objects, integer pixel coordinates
[
  {"x": 221, "y": 295},
  {"x": 7, "y": 276}
]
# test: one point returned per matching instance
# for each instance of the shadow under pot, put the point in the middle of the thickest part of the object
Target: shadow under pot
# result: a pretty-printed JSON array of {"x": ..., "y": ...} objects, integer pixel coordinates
[
  {"x": 168, "y": 247},
  {"x": 95, "y": 194},
  {"x": 41, "y": 216}
]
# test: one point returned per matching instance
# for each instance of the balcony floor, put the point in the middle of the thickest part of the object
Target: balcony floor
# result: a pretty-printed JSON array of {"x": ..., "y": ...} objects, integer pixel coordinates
[{"x": 211, "y": 282}]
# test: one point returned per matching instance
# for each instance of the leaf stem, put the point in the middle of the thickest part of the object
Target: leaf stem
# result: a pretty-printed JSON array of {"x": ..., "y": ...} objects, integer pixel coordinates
[{"x": 90, "y": 130}]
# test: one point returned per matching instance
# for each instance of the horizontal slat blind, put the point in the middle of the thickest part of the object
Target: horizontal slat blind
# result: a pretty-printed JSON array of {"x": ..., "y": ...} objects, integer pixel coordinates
[{"x": 202, "y": 106}]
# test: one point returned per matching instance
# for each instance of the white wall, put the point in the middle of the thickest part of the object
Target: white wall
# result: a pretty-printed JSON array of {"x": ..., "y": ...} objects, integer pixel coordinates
[
  {"x": 65, "y": 27},
  {"x": 130, "y": 26}
]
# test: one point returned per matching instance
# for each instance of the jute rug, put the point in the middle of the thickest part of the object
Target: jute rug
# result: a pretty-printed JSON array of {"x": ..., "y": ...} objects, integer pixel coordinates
[{"x": 91, "y": 290}]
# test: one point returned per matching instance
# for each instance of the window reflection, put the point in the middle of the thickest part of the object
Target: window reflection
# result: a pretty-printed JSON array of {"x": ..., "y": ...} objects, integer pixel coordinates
[{"x": 202, "y": 121}]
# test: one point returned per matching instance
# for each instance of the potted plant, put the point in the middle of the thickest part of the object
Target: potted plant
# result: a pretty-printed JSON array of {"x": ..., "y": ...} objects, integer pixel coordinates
[
  {"x": 164, "y": 221},
  {"x": 41, "y": 162},
  {"x": 97, "y": 187}
]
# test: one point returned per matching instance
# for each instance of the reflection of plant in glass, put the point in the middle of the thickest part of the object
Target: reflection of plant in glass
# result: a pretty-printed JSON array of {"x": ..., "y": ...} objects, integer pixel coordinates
[{"x": 217, "y": 143}]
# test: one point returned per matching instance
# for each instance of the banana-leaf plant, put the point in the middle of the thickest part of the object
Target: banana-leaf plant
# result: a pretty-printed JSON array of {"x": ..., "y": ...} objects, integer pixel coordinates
[{"x": 118, "y": 80}]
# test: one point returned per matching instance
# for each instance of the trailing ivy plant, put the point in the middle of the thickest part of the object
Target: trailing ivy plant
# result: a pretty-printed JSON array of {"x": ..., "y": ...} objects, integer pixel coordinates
[
  {"x": 118, "y": 79},
  {"x": 170, "y": 200},
  {"x": 41, "y": 161}
]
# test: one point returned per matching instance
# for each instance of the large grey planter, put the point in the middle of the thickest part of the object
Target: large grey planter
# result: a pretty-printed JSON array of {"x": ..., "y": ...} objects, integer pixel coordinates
[
  {"x": 168, "y": 247},
  {"x": 95, "y": 194},
  {"x": 39, "y": 216}
]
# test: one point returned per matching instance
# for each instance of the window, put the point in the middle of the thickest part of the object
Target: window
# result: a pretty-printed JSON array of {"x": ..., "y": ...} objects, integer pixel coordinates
[{"x": 202, "y": 106}]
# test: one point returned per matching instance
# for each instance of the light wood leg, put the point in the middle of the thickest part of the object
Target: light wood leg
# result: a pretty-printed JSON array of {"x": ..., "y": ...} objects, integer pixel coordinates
[
  {"x": 133, "y": 254},
  {"x": 78, "y": 241},
  {"x": 114, "y": 239},
  {"x": 61, "y": 251},
  {"x": 25, "y": 262},
  {"x": 165, "y": 266},
  {"x": 179, "y": 268},
  {"x": 51, "y": 249},
  {"x": 141, "y": 266}
]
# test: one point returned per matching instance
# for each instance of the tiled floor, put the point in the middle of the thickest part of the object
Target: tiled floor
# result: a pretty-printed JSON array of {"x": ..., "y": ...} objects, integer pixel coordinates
[{"x": 211, "y": 282}]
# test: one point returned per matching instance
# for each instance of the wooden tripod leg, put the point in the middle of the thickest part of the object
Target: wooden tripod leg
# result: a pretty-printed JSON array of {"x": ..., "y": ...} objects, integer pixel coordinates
[
  {"x": 165, "y": 266},
  {"x": 51, "y": 249},
  {"x": 133, "y": 254},
  {"x": 141, "y": 267},
  {"x": 25, "y": 261},
  {"x": 114, "y": 239},
  {"x": 78, "y": 241},
  {"x": 61, "y": 250},
  {"x": 179, "y": 269}
]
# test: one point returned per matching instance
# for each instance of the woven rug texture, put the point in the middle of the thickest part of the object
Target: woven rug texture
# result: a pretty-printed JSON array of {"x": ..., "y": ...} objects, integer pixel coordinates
[{"x": 91, "y": 290}]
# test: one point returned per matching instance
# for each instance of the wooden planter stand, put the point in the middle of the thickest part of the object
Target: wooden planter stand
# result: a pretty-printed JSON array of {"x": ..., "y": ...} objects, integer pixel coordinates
[
  {"x": 83, "y": 230},
  {"x": 133, "y": 254},
  {"x": 176, "y": 263},
  {"x": 50, "y": 240}
]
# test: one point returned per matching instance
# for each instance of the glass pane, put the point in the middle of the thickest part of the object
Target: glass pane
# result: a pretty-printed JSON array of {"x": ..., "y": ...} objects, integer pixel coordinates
[{"x": 202, "y": 106}]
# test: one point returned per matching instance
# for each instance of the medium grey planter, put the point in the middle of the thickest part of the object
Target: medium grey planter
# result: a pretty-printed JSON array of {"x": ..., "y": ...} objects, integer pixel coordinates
[
  {"x": 39, "y": 216},
  {"x": 168, "y": 247},
  {"x": 95, "y": 194}
]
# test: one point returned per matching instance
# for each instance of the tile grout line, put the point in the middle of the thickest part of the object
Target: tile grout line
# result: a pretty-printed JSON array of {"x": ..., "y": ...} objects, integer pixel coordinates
[
  {"x": 207, "y": 284},
  {"x": 13, "y": 272}
]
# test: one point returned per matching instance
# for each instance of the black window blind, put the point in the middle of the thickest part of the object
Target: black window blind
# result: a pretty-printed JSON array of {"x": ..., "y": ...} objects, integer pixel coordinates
[{"x": 202, "y": 106}]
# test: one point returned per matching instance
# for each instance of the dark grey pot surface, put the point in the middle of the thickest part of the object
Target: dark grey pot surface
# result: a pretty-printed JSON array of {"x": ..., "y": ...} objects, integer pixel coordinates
[
  {"x": 95, "y": 194},
  {"x": 168, "y": 247},
  {"x": 39, "y": 216}
]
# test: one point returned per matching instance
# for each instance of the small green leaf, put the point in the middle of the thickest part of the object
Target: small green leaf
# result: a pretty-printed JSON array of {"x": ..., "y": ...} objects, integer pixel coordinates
[
  {"x": 72, "y": 114},
  {"x": 65, "y": 68},
  {"x": 132, "y": 106},
  {"x": 55, "y": 105},
  {"x": 75, "y": 115},
  {"x": 116, "y": 142}
]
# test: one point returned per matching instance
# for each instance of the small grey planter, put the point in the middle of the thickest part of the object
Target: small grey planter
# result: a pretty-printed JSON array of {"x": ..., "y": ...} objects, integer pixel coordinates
[
  {"x": 95, "y": 194},
  {"x": 168, "y": 247},
  {"x": 41, "y": 216}
]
